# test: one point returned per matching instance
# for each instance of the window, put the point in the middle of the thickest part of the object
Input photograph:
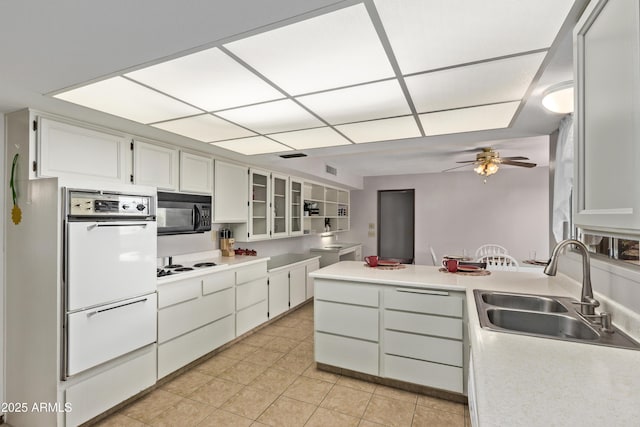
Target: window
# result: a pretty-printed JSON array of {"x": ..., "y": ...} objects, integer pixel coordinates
[{"x": 621, "y": 248}]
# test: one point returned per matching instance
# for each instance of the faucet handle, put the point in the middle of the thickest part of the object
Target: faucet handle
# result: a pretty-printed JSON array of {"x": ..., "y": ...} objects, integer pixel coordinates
[
  {"x": 605, "y": 321},
  {"x": 591, "y": 302}
]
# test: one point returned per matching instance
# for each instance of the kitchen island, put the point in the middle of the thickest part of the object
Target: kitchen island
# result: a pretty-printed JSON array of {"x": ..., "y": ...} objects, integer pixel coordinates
[{"x": 517, "y": 380}]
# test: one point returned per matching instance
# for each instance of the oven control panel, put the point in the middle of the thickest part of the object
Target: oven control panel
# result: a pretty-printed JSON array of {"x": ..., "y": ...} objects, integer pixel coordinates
[{"x": 105, "y": 204}]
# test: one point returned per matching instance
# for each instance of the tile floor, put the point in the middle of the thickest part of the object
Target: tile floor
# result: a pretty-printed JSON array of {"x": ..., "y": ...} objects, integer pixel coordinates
[{"x": 270, "y": 379}]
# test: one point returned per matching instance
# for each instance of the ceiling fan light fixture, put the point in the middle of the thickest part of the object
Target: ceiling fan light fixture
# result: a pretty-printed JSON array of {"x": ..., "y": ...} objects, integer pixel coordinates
[
  {"x": 559, "y": 98},
  {"x": 486, "y": 168}
]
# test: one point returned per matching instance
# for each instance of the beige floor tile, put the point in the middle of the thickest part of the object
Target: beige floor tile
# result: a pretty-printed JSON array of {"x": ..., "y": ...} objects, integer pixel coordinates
[
  {"x": 357, "y": 384},
  {"x": 249, "y": 402},
  {"x": 238, "y": 351},
  {"x": 187, "y": 383},
  {"x": 264, "y": 357},
  {"x": 186, "y": 413},
  {"x": 216, "y": 365},
  {"x": 305, "y": 348},
  {"x": 324, "y": 417},
  {"x": 273, "y": 380},
  {"x": 220, "y": 418},
  {"x": 257, "y": 424},
  {"x": 467, "y": 416},
  {"x": 151, "y": 406},
  {"x": 119, "y": 420},
  {"x": 280, "y": 344},
  {"x": 308, "y": 390},
  {"x": 242, "y": 372},
  {"x": 390, "y": 412},
  {"x": 293, "y": 363},
  {"x": 313, "y": 372},
  {"x": 216, "y": 392},
  {"x": 288, "y": 332},
  {"x": 367, "y": 423},
  {"x": 258, "y": 339},
  {"x": 346, "y": 400},
  {"x": 395, "y": 393},
  {"x": 287, "y": 412},
  {"x": 429, "y": 417},
  {"x": 441, "y": 404}
]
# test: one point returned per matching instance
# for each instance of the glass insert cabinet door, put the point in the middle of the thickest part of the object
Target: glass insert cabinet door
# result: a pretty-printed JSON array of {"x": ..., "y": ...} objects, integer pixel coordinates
[
  {"x": 279, "y": 205},
  {"x": 296, "y": 208},
  {"x": 259, "y": 201}
]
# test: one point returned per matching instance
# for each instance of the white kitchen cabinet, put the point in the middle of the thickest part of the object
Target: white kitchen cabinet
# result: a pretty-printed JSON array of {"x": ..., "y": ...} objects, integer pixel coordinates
[
  {"x": 156, "y": 165},
  {"x": 279, "y": 205},
  {"x": 295, "y": 207},
  {"x": 258, "y": 226},
  {"x": 297, "y": 285},
  {"x": 278, "y": 293},
  {"x": 196, "y": 173},
  {"x": 311, "y": 266},
  {"x": 325, "y": 206},
  {"x": 231, "y": 200},
  {"x": 252, "y": 295},
  {"x": 607, "y": 66}
]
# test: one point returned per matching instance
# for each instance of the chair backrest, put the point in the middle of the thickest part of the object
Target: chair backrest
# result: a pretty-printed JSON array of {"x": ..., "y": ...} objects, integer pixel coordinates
[
  {"x": 490, "y": 249},
  {"x": 433, "y": 256},
  {"x": 501, "y": 262}
]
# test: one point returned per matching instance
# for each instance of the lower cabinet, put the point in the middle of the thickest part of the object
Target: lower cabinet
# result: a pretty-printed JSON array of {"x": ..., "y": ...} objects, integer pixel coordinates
[
  {"x": 289, "y": 285},
  {"x": 251, "y": 297},
  {"x": 311, "y": 266}
]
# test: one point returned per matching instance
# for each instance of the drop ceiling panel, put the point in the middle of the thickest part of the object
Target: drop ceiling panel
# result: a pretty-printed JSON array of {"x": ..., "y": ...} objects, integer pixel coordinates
[
  {"x": 252, "y": 145},
  {"x": 427, "y": 35},
  {"x": 209, "y": 79},
  {"x": 381, "y": 130},
  {"x": 272, "y": 117},
  {"x": 483, "y": 83},
  {"x": 205, "y": 128},
  {"x": 124, "y": 98},
  {"x": 359, "y": 103},
  {"x": 311, "y": 138},
  {"x": 494, "y": 116},
  {"x": 337, "y": 49}
]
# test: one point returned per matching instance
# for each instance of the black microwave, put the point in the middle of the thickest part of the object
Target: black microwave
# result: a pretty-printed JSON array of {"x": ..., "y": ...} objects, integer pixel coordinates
[{"x": 179, "y": 213}]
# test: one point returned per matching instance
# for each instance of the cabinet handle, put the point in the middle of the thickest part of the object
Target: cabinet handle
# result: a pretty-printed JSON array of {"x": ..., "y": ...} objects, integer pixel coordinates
[
  {"x": 93, "y": 313},
  {"x": 423, "y": 291}
]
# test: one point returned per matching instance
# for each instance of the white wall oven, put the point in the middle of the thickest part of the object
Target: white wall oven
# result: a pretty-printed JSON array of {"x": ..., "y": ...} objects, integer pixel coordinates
[{"x": 109, "y": 277}]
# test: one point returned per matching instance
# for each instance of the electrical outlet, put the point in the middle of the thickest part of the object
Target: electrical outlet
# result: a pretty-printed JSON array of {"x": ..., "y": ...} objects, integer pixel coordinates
[
  {"x": 372, "y": 226},
  {"x": 372, "y": 234}
]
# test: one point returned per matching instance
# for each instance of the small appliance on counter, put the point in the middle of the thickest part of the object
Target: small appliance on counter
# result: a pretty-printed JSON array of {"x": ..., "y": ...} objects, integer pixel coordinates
[{"x": 226, "y": 242}]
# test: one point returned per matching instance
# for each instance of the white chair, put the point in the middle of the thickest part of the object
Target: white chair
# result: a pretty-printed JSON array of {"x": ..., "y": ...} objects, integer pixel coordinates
[
  {"x": 500, "y": 262},
  {"x": 433, "y": 256},
  {"x": 490, "y": 249}
]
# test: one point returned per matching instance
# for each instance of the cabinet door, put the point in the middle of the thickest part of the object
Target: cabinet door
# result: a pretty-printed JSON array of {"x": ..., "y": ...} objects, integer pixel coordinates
[
  {"x": 155, "y": 165},
  {"x": 295, "y": 207},
  {"x": 297, "y": 285},
  {"x": 196, "y": 173},
  {"x": 311, "y": 266},
  {"x": 231, "y": 198},
  {"x": 608, "y": 116},
  {"x": 279, "y": 205},
  {"x": 259, "y": 217},
  {"x": 278, "y": 293},
  {"x": 71, "y": 151}
]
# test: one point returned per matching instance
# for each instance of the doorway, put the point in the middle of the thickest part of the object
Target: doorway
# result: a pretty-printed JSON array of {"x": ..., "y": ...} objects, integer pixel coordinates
[{"x": 396, "y": 225}]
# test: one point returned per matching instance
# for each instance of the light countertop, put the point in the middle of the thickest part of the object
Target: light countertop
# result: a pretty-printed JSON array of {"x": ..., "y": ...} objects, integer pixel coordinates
[
  {"x": 338, "y": 247},
  {"x": 522, "y": 380},
  {"x": 286, "y": 260}
]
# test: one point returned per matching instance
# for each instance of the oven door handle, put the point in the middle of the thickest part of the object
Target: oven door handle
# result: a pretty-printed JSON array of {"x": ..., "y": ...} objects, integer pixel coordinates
[
  {"x": 94, "y": 312},
  {"x": 92, "y": 226}
]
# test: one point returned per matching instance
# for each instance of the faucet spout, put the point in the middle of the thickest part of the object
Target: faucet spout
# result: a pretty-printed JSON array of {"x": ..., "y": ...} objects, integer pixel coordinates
[{"x": 587, "y": 301}]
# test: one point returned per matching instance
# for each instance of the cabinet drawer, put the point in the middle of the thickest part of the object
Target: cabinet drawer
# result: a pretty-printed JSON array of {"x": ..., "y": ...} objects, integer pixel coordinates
[
  {"x": 251, "y": 317},
  {"x": 347, "y": 320},
  {"x": 217, "y": 282},
  {"x": 348, "y": 353},
  {"x": 174, "y": 293},
  {"x": 423, "y": 324},
  {"x": 425, "y": 373},
  {"x": 421, "y": 301},
  {"x": 329, "y": 290},
  {"x": 438, "y": 350},
  {"x": 252, "y": 272},
  {"x": 185, "y": 349},
  {"x": 250, "y": 293}
]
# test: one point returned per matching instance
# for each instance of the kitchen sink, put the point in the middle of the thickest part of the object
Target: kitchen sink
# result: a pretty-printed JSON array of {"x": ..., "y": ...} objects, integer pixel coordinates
[{"x": 544, "y": 316}]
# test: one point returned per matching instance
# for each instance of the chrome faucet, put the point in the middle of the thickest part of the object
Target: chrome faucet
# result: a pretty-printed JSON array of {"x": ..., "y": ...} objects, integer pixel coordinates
[{"x": 587, "y": 302}]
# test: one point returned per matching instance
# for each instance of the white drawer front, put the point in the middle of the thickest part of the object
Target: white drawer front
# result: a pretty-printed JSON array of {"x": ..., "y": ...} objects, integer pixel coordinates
[
  {"x": 361, "y": 356},
  {"x": 177, "y": 353},
  {"x": 438, "y": 350},
  {"x": 217, "y": 282},
  {"x": 425, "y": 373},
  {"x": 423, "y": 324},
  {"x": 251, "y": 317},
  {"x": 250, "y": 293},
  {"x": 329, "y": 290},
  {"x": 420, "y": 301},
  {"x": 347, "y": 320},
  {"x": 251, "y": 272},
  {"x": 174, "y": 293}
]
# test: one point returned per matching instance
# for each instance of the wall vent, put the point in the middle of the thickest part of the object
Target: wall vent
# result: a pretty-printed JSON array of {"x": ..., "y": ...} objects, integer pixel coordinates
[
  {"x": 331, "y": 170},
  {"x": 291, "y": 156}
]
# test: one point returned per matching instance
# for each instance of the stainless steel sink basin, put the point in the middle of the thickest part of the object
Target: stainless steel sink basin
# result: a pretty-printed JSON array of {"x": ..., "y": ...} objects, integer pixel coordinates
[
  {"x": 544, "y": 316},
  {"x": 524, "y": 302}
]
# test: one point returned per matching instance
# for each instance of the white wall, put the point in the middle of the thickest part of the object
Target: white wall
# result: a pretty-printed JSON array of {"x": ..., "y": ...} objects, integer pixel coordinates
[
  {"x": 2, "y": 214},
  {"x": 456, "y": 211}
]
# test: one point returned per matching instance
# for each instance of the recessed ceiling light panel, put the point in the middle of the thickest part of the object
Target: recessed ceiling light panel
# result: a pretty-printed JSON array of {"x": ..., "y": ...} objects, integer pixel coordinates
[
  {"x": 337, "y": 49},
  {"x": 209, "y": 79},
  {"x": 205, "y": 128},
  {"x": 381, "y": 130},
  {"x": 427, "y": 35},
  {"x": 124, "y": 98},
  {"x": 484, "y": 83},
  {"x": 311, "y": 138},
  {"x": 359, "y": 103},
  {"x": 496, "y": 116},
  {"x": 251, "y": 146}
]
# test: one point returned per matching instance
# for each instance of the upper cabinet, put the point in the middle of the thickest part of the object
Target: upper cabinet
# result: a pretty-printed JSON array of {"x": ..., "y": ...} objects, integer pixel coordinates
[
  {"x": 279, "y": 205},
  {"x": 295, "y": 207},
  {"x": 326, "y": 209},
  {"x": 155, "y": 165},
  {"x": 231, "y": 198},
  {"x": 608, "y": 117},
  {"x": 196, "y": 173}
]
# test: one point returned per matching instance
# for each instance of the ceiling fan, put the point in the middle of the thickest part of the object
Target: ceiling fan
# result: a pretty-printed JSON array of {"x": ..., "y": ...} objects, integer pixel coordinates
[{"x": 488, "y": 162}]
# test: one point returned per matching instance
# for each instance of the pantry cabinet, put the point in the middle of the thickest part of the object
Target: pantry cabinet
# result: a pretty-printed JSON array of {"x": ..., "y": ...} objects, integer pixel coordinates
[
  {"x": 231, "y": 199},
  {"x": 156, "y": 165},
  {"x": 196, "y": 173}
]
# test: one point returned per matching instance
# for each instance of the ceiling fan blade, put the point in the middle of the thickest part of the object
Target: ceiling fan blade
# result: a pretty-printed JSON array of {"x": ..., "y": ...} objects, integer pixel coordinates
[
  {"x": 514, "y": 158},
  {"x": 513, "y": 163},
  {"x": 455, "y": 167},
  {"x": 468, "y": 161}
]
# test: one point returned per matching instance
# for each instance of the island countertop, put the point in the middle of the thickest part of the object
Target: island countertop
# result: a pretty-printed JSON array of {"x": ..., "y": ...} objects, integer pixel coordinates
[{"x": 522, "y": 380}]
